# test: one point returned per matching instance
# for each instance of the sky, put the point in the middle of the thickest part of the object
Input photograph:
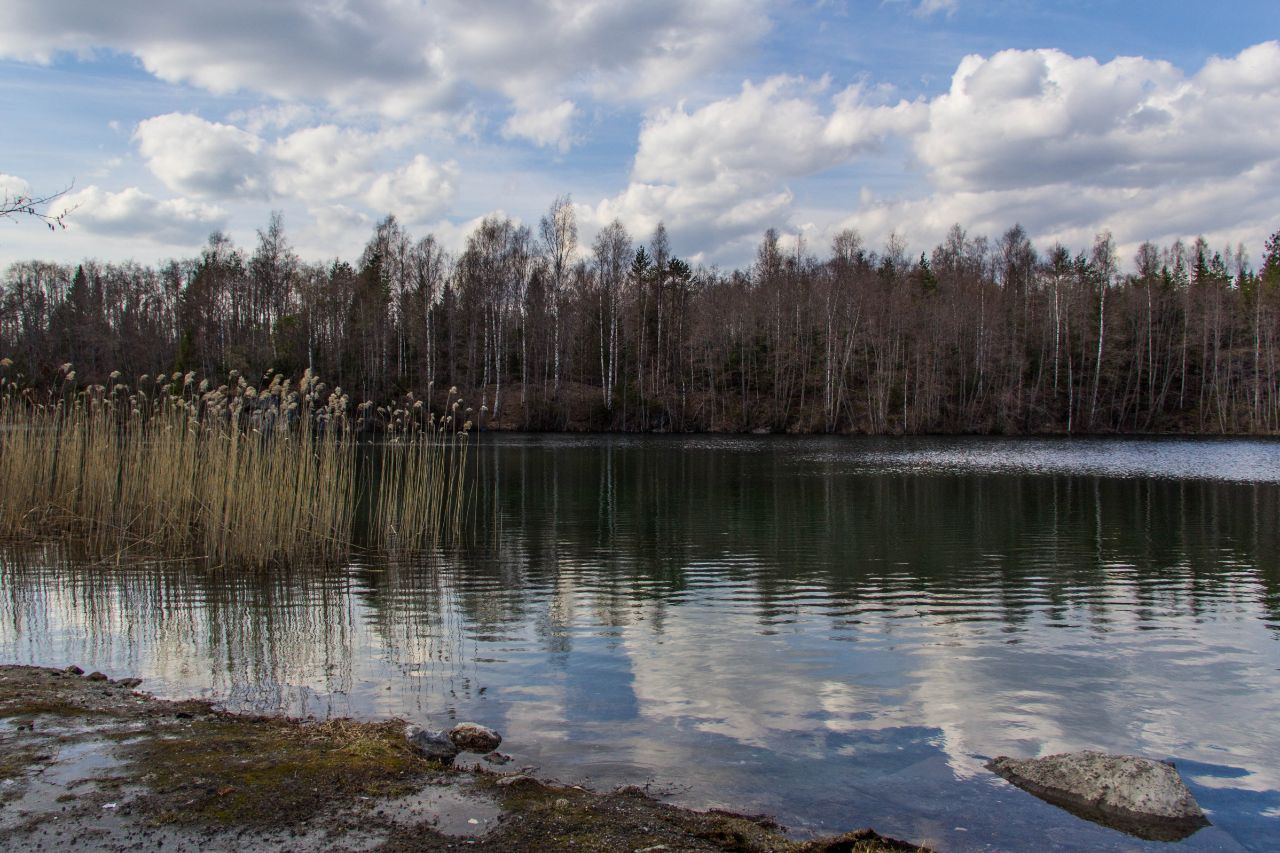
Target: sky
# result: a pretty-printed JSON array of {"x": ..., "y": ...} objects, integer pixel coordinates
[{"x": 169, "y": 119}]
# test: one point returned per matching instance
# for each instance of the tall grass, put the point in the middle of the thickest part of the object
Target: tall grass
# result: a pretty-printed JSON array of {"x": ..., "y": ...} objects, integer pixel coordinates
[
  {"x": 236, "y": 474},
  {"x": 420, "y": 449}
]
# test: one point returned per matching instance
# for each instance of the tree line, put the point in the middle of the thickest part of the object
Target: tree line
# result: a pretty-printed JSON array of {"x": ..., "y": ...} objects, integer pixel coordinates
[{"x": 539, "y": 332}]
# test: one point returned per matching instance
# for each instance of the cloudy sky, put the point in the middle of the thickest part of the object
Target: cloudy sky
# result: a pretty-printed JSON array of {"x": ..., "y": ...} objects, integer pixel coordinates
[{"x": 1155, "y": 119}]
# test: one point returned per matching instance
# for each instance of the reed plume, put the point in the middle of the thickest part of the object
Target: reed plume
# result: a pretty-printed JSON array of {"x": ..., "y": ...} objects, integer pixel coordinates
[{"x": 233, "y": 473}]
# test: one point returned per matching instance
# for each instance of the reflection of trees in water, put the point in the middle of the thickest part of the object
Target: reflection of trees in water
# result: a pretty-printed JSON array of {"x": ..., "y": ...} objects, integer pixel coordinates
[
  {"x": 614, "y": 534},
  {"x": 637, "y": 518}
]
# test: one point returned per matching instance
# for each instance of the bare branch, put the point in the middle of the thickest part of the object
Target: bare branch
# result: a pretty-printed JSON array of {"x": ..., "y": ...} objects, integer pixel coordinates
[{"x": 19, "y": 205}]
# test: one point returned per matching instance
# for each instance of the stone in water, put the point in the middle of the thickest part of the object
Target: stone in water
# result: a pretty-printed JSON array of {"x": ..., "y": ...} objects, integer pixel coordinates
[
  {"x": 430, "y": 744},
  {"x": 473, "y": 737},
  {"x": 1136, "y": 795}
]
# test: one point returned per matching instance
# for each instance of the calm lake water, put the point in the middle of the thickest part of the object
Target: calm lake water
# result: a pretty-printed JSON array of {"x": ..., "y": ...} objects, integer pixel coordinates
[{"x": 837, "y": 631}]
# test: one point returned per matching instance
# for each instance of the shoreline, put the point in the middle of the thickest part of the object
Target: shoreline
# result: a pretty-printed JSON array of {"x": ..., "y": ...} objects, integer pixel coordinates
[{"x": 92, "y": 761}]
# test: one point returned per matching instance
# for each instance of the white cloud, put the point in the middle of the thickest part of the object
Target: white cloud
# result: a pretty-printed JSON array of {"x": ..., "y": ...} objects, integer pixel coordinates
[
  {"x": 323, "y": 163},
  {"x": 335, "y": 230},
  {"x": 720, "y": 171},
  {"x": 1037, "y": 118},
  {"x": 1069, "y": 146},
  {"x": 358, "y": 95},
  {"x": 12, "y": 185},
  {"x": 194, "y": 156},
  {"x": 318, "y": 166},
  {"x": 544, "y": 126},
  {"x": 1237, "y": 209},
  {"x": 272, "y": 117},
  {"x": 399, "y": 58},
  {"x": 133, "y": 213},
  {"x": 1065, "y": 145},
  {"x": 417, "y": 191}
]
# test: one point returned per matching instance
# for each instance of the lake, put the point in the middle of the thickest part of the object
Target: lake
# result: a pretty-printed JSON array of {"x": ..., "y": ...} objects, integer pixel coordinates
[{"x": 836, "y": 631}]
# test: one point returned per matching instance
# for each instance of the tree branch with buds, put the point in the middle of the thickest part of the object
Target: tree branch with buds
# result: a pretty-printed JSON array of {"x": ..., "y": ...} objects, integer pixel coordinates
[{"x": 20, "y": 204}]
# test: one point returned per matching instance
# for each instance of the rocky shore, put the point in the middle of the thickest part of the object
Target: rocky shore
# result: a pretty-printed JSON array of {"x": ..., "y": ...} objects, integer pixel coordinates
[{"x": 91, "y": 763}]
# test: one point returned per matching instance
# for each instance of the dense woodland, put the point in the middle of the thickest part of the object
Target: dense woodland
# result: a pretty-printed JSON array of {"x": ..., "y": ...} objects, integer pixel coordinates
[{"x": 540, "y": 332}]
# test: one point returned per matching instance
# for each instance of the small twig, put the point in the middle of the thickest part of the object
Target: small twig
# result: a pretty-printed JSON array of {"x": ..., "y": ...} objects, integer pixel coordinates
[{"x": 11, "y": 207}]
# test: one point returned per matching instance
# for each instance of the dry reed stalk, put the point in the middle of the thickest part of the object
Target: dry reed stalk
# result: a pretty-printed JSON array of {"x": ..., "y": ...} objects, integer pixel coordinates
[
  {"x": 237, "y": 474},
  {"x": 421, "y": 469}
]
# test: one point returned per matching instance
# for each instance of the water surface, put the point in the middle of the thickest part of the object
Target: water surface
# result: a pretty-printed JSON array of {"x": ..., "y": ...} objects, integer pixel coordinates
[{"x": 837, "y": 631}]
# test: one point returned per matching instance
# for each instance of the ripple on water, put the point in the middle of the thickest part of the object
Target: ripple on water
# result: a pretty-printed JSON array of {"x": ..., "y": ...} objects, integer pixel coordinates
[{"x": 837, "y": 631}]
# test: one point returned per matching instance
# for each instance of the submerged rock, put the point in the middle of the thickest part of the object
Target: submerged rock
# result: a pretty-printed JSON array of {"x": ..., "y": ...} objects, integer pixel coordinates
[
  {"x": 434, "y": 745},
  {"x": 473, "y": 737},
  {"x": 1136, "y": 795}
]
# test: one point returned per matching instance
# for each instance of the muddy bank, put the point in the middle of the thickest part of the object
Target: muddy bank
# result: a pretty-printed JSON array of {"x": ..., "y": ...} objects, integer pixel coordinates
[{"x": 90, "y": 763}]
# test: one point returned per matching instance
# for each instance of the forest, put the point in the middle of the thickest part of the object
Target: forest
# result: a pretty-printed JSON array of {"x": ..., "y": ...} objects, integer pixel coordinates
[{"x": 539, "y": 332}]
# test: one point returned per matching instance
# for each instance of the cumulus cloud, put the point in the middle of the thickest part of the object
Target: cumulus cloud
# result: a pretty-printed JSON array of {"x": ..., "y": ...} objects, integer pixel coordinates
[
  {"x": 415, "y": 192},
  {"x": 273, "y": 117},
  {"x": 1237, "y": 209},
  {"x": 543, "y": 125},
  {"x": 11, "y": 186},
  {"x": 323, "y": 163},
  {"x": 1025, "y": 118},
  {"x": 775, "y": 129},
  {"x": 720, "y": 171},
  {"x": 1068, "y": 146},
  {"x": 320, "y": 166},
  {"x": 397, "y": 58},
  {"x": 1065, "y": 145},
  {"x": 194, "y": 156},
  {"x": 134, "y": 213},
  {"x": 334, "y": 231}
]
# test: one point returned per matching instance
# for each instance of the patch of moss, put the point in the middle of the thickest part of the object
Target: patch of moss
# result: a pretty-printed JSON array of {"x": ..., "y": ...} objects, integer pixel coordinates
[
  {"x": 552, "y": 817},
  {"x": 260, "y": 771}
]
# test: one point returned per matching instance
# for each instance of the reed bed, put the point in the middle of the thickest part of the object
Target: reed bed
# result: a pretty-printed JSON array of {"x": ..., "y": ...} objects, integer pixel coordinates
[{"x": 237, "y": 474}]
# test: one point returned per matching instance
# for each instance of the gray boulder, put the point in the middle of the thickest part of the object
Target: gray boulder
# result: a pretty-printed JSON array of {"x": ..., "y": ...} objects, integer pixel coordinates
[
  {"x": 434, "y": 745},
  {"x": 1136, "y": 795},
  {"x": 473, "y": 737}
]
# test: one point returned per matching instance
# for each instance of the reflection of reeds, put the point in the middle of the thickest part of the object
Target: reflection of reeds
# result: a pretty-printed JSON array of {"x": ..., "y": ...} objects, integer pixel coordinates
[{"x": 236, "y": 474}]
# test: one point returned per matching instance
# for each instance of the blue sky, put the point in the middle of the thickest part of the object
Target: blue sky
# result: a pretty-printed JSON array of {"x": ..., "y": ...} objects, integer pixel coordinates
[{"x": 1154, "y": 120}]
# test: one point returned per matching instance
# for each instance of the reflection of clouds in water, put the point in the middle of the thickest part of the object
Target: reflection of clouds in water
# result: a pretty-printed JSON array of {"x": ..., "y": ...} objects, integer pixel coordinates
[
  {"x": 1108, "y": 691},
  {"x": 885, "y": 686},
  {"x": 770, "y": 633},
  {"x": 717, "y": 671},
  {"x": 694, "y": 676},
  {"x": 1115, "y": 691}
]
